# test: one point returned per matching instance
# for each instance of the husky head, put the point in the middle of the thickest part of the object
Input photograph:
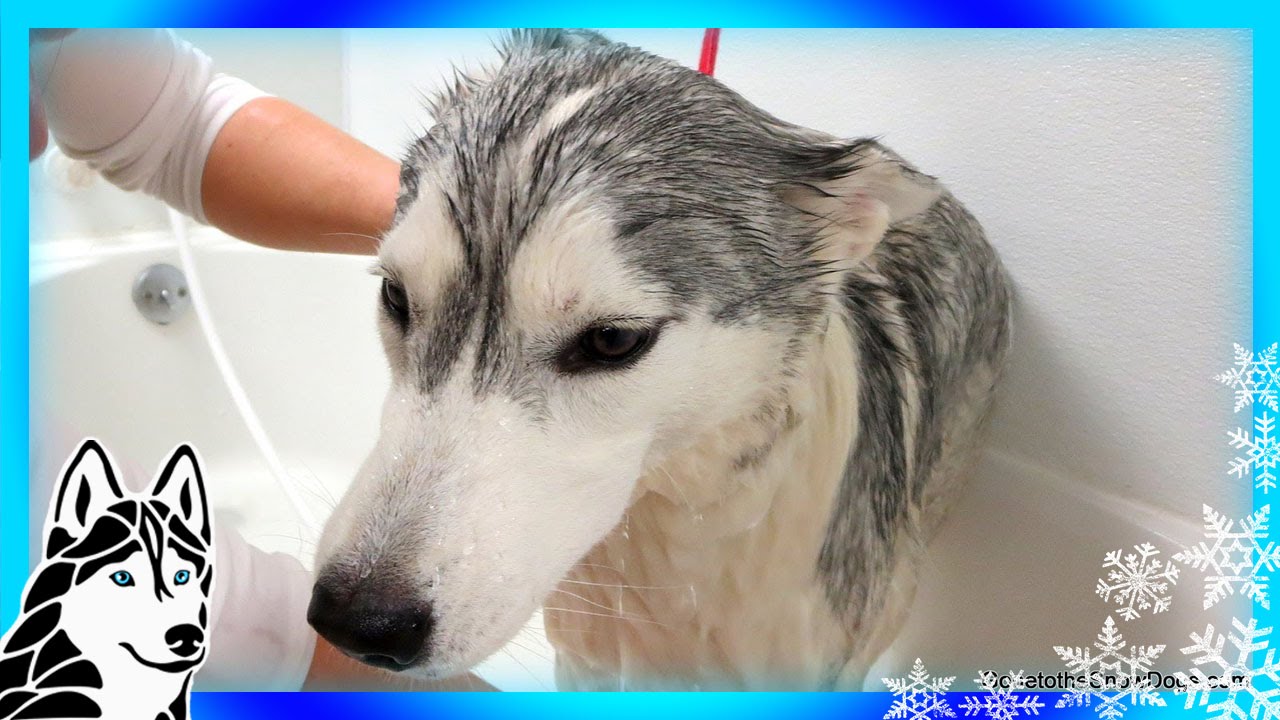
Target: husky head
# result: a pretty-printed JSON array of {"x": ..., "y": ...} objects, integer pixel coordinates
[
  {"x": 125, "y": 583},
  {"x": 598, "y": 257}
]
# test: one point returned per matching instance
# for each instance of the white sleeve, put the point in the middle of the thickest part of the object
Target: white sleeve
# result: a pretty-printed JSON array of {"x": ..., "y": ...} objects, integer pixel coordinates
[
  {"x": 258, "y": 633},
  {"x": 140, "y": 106}
]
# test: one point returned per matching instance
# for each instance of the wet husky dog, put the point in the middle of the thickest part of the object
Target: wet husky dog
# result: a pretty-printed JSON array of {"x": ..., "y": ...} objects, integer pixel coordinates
[
  {"x": 696, "y": 381},
  {"x": 115, "y": 618}
]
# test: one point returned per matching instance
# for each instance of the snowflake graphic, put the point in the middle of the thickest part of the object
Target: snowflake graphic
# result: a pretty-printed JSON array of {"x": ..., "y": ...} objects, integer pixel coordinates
[
  {"x": 1110, "y": 676},
  {"x": 1262, "y": 451},
  {"x": 1260, "y": 683},
  {"x": 1000, "y": 703},
  {"x": 919, "y": 697},
  {"x": 1138, "y": 580},
  {"x": 1231, "y": 558},
  {"x": 1254, "y": 378}
]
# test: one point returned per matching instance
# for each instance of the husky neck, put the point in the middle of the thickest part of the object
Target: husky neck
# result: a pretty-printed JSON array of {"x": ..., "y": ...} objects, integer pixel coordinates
[{"x": 711, "y": 577}]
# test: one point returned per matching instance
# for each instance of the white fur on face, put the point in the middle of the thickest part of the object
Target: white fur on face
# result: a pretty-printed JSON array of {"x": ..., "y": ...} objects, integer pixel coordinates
[
  {"x": 477, "y": 503},
  {"x": 428, "y": 256}
]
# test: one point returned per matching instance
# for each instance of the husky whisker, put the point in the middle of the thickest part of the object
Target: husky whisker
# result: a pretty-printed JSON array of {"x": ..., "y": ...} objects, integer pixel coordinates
[
  {"x": 612, "y": 616},
  {"x": 372, "y": 239},
  {"x": 588, "y": 601},
  {"x": 625, "y": 586}
]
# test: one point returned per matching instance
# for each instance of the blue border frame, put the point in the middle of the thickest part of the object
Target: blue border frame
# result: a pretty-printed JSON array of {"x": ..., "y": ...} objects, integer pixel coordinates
[
  {"x": 14, "y": 370},
  {"x": 14, "y": 224},
  {"x": 1266, "y": 178}
]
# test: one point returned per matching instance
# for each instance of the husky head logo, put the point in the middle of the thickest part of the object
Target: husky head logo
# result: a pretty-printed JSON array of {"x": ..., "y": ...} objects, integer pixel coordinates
[{"x": 115, "y": 619}]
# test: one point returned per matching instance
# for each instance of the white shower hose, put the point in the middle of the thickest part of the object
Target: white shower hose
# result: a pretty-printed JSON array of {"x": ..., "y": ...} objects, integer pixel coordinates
[{"x": 288, "y": 484}]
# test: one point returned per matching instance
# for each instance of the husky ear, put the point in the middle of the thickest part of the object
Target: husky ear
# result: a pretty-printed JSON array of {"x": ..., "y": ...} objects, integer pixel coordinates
[
  {"x": 87, "y": 488},
  {"x": 860, "y": 188},
  {"x": 180, "y": 485}
]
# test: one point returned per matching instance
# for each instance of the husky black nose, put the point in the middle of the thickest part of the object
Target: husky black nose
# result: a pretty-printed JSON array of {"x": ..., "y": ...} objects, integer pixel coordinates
[
  {"x": 375, "y": 628},
  {"x": 184, "y": 640}
]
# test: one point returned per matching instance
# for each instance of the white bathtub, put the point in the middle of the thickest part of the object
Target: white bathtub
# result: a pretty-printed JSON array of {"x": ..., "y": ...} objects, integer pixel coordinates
[{"x": 1010, "y": 575}]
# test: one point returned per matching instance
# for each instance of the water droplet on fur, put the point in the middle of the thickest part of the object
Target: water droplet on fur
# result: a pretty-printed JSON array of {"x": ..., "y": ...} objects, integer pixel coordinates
[{"x": 470, "y": 548}]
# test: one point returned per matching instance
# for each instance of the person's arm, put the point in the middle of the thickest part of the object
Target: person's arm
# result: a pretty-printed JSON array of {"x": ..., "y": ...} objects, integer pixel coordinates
[
  {"x": 282, "y": 177},
  {"x": 147, "y": 110}
]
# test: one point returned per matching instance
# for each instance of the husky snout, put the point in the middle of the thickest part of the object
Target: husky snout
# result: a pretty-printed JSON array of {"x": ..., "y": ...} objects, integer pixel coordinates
[
  {"x": 384, "y": 626},
  {"x": 459, "y": 524},
  {"x": 371, "y": 596}
]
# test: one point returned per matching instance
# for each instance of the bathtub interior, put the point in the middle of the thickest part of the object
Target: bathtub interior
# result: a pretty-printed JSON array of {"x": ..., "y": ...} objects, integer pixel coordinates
[
  {"x": 1011, "y": 574},
  {"x": 1109, "y": 431}
]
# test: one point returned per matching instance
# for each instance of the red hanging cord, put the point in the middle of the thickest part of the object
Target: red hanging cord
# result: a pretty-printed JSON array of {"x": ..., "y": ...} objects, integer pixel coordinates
[{"x": 710, "y": 45}]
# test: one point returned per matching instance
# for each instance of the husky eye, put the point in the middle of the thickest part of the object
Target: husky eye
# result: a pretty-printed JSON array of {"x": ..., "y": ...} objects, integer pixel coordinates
[
  {"x": 613, "y": 344},
  {"x": 606, "y": 346},
  {"x": 122, "y": 578},
  {"x": 181, "y": 577},
  {"x": 395, "y": 300}
]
